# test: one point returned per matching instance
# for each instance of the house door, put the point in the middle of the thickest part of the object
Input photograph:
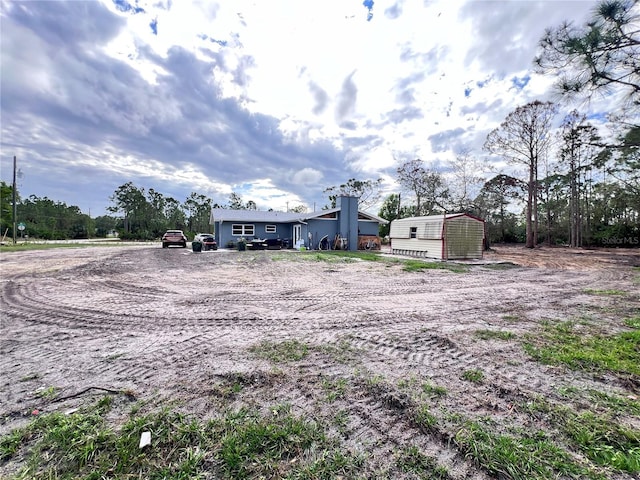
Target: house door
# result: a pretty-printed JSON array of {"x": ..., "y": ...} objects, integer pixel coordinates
[{"x": 297, "y": 233}]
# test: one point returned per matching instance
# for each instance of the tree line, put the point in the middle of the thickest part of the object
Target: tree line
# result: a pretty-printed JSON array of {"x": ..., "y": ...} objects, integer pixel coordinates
[
  {"x": 137, "y": 214},
  {"x": 565, "y": 186},
  {"x": 575, "y": 187}
]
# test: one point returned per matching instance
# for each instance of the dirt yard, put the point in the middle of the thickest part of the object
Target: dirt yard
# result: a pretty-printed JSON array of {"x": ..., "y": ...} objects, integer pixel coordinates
[{"x": 173, "y": 327}]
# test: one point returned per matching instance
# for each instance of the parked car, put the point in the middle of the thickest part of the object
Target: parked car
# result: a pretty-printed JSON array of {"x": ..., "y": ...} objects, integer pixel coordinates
[
  {"x": 207, "y": 240},
  {"x": 174, "y": 237}
]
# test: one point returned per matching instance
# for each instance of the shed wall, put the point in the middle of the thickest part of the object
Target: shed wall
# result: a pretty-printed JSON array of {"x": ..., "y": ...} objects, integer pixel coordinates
[
  {"x": 464, "y": 238},
  {"x": 417, "y": 247}
]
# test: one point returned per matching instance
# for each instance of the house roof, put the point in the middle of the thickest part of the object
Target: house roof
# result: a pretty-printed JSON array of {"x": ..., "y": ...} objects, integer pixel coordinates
[
  {"x": 435, "y": 218},
  {"x": 229, "y": 215}
]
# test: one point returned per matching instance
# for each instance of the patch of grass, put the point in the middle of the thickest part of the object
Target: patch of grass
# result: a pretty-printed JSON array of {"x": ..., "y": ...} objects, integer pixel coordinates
[
  {"x": 597, "y": 435},
  {"x": 474, "y": 375},
  {"x": 27, "y": 246},
  {"x": 412, "y": 460},
  {"x": 374, "y": 380},
  {"x": 238, "y": 444},
  {"x": 423, "y": 417},
  {"x": 602, "y": 440},
  {"x": 342, "y": 352},
  {"x": 280, "y": 352},
  {"x": 419, "y": 265},
  {"x": 615, "y": 403},
  {"x": 405, "y": 383},
  {"x": 524, "y": 457},
  {"x": 31, "y": 376},
  {"x": 335, "y": 389},
  {"x": 433, "y": 390},
  {"x": 9, "y": 444},
  {"x": 367, "y": 256},
  {"x": 49, "y": 392},
  {"x": 494, "y": 334},
  {"x": 251, "y": 445},
  {"x": 342, "y": 256},
  {"x": 594, "y": 291},
  {"x": 341, "y": 420},
  {"x": 501, "y": 266},
  {"x": 512, "y": 318},
  {"x": 560, "y": 344},
  {"x": 633, "y": 322}
]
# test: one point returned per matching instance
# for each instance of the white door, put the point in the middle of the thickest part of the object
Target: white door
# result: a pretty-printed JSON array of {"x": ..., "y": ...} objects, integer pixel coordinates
[{"x": 297, "y": 234}]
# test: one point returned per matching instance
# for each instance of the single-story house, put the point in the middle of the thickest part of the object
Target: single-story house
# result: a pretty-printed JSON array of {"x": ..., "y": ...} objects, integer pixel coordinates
[
  {"x": 344, "y": 227},
  {"x": 448, "y": 237}
]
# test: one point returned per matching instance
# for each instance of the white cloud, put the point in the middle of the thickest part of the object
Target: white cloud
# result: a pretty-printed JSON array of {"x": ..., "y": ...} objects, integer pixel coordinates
[{"x": 276, "y": 98}]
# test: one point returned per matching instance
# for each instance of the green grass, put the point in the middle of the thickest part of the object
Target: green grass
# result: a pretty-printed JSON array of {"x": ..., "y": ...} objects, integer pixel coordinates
[
  {"x": 501, "y": 266},
  {"x": 593, "y": 291},
  {"x": 614, "y": 403},
  {"x": 562, "y": 345},
  {"x": 49, "y": 392},
  {"x": 424, "y": 418},
  {"x": 507, "y": 456},
  {"x": 599, "y": 436},
  {"x": 602, "y": 439},
  {"x": 494, "y": 334},
  {"x": 343, "y": 255},
  {"x": 419, "y": 265},
  {"x": 35, "y": 245},
  {"x": 412, "y": 460},
  {"x": 335, "y": 389},
  {"x": 239, "y": 444},
  {"x": 31, "y": 376},
  {"x": 475, "y": 375},
  {"x": 280, "y": 352},
  {"x": 342, "y": 352},
  {"x": 410, "y": 265},
  {"x": 433, "y": 390},
  {"x": 633, "y": 322}
]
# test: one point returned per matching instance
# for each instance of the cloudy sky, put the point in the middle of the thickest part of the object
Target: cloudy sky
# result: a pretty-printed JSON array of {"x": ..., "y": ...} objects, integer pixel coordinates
[{"x": 275, "y": 100}]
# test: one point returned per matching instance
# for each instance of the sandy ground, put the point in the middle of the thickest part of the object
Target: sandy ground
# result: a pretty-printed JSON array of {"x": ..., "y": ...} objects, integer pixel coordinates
[{"x": 170, "y": 325}]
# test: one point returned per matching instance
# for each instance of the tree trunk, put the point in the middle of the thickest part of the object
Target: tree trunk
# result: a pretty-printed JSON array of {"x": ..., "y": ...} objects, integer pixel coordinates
[{"x": 529, "y": 210}]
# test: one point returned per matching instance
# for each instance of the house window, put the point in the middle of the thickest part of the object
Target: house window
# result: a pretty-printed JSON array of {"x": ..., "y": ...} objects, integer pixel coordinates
[
  {"x": 413, "y": 232},
  {"x": 240, "y": 230},
  {"x": 270, "y": 229}
]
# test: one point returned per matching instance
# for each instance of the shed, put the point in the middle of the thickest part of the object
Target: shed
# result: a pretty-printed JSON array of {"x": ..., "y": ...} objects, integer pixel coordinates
[{"x": 453, "y": 236}]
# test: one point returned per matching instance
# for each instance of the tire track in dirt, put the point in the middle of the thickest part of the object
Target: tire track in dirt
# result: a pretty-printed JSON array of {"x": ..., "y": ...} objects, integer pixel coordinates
[
  {"x": 432, "y": 351},
  {"x": 379, "y": 419},
  {"x": 154, "y": 321}
]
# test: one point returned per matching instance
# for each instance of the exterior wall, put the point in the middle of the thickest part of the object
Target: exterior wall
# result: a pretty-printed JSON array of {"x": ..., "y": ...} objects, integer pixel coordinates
[
  {"x": 319, "y": 227},
  {"x": 464, "y": 238},
  {"x": 224, "y": 231},
  {"x": 348, "y": 220},
  {"x": 368, "y": 227},
  {"x": 416, "y": 247}
]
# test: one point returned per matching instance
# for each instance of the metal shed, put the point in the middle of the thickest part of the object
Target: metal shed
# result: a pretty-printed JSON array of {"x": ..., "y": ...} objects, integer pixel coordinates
[{"x": 453, "y": 236}]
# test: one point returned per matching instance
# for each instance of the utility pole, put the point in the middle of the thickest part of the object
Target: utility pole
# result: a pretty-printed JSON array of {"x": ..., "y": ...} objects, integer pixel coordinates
[{"x": 15, "y": 206}]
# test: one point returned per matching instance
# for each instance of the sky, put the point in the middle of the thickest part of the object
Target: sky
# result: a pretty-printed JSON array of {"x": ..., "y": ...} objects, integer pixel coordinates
[{"x": 275, "y": 100}]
